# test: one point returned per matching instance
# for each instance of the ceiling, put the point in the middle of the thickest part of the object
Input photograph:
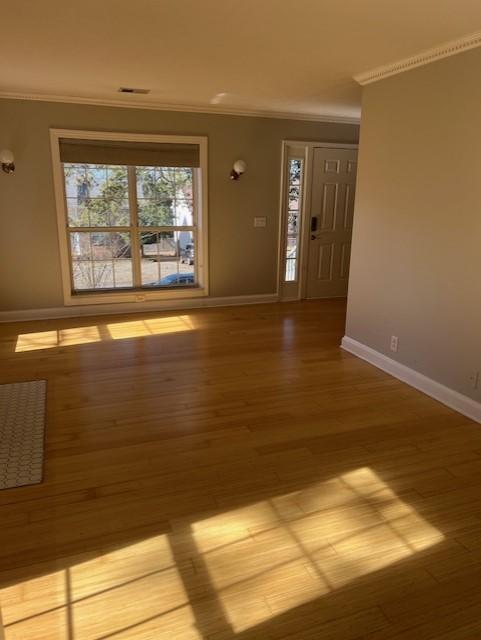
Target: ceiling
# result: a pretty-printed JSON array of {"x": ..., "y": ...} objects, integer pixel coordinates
[{"x": 273, "y": 56}]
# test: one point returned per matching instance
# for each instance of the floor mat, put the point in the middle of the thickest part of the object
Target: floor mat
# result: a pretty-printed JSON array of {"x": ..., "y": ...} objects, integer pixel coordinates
[{"x": 22, "y": 429}]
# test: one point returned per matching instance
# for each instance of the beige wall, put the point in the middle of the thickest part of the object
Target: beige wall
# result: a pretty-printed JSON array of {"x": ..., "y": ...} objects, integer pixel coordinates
[
  {"x": 416, "y": 258},
  {"x": 243, "y": 260}
]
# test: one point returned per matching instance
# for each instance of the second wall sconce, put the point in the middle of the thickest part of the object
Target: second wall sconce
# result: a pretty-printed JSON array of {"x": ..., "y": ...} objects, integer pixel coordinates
[
  {"x": 238, "y": 169},
  {"x": 7, "y": 161}
]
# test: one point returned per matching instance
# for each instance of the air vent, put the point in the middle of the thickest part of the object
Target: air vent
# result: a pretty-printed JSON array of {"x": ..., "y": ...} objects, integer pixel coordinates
[{"x": 132, "y": 90}]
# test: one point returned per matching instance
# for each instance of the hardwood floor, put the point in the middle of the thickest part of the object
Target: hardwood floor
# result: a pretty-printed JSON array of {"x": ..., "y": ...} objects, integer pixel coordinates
[{"x": 232, "y": 474}]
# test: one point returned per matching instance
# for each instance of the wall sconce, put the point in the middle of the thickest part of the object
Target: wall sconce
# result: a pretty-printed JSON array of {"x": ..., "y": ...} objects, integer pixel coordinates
[
  {"x": 7, "y": 161},
  {"x": 238, "y": 169}
]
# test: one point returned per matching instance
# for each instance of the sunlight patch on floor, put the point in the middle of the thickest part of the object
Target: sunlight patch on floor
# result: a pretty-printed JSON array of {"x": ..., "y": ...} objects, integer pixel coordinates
[
  {"x": 102, "y": 332},
  {"x": 225, "y": 573},
  {"x": 346, "y": 530},
  {"x": 57, "y": 338},
  {"x": 155, "y": 326},
  {"x": 132, "y": 592}
]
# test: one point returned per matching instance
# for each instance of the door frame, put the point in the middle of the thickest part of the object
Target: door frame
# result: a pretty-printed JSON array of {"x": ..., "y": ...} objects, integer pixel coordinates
[{"x": 305, "y": 150}]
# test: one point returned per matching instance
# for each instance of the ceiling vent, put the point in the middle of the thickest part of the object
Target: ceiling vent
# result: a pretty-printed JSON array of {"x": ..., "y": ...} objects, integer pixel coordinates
[{"x": 132, "y": 90}]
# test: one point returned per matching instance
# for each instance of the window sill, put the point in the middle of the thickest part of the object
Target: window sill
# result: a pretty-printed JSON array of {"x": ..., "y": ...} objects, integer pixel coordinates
[{"x": 134, "y": 296}]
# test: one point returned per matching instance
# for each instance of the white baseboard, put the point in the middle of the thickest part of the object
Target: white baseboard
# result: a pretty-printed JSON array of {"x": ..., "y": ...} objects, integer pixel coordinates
[
  {"x": 133, "y": 307},
  {"x": 457, "y": 401}
]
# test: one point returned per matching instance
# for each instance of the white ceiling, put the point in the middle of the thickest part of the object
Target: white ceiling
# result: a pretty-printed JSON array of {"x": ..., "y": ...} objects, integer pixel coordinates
[{"x": 289, "y": 56}]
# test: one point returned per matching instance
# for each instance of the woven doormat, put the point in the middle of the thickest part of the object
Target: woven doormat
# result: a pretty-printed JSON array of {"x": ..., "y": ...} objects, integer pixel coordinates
[{"x": 22, "y": 428}]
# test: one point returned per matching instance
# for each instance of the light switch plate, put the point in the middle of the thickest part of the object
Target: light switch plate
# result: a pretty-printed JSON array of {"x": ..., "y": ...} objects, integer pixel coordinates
[{"x": 260, "y": 221}]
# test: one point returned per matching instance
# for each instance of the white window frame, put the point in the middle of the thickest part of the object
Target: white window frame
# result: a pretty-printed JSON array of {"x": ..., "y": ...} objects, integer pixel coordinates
[{"x": 201, "y": 227}]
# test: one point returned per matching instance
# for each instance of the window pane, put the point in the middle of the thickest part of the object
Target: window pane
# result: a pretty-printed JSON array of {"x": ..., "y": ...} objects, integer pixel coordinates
[
  {"x": 291, "y": 259},
  {"x": 97, "y": 195},
  {"x": 164, "y": 196},
  {"x": 294, "y": 198},
  {"x": 292, "y": 222},
  {"x": 295, "y": 169},
  {"x": 184, "y": 182},
  {"x": 101, "y": 260},
  {"x": 184, "y": 212},
  {"x": 156, "y": 213},
  {"x": 102, "y": 274},
  {"x": 167, "y": 259}
]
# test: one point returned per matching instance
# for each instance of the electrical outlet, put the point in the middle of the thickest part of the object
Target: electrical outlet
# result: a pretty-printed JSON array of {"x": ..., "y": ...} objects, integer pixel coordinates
[
  {"x": 474, "y": 379},
  {"x": 260, "y": 221},
  {"x": 394, "y": 343}
]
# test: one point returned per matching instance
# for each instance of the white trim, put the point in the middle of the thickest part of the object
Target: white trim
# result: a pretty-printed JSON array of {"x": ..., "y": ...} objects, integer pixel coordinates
[
  {"x": 306, "y": 221},
  {"x": 280, "y": 230},
  {"x": 135, "y": 296},
  {"x": 445, "y": 50},
  {"x": 202, "y": 219},
  {"x": 457, "y": 401},
  {"x": 289, "y": 299},
  {"x": 325, "y": 145},
  {"x": 24, "y": 315},
  {"x": 158, "y": 106},
  {"x": 202, "y": 266}
]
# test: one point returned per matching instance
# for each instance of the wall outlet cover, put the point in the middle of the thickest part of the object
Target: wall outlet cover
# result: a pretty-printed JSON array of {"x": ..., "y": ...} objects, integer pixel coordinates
[{"x": 474, "y": 379}]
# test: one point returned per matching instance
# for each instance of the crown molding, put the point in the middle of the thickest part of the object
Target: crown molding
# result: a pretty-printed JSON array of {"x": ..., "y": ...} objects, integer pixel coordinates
[
  {"x": 451, "y": 48},
  {"x": 153, "y": 106}
]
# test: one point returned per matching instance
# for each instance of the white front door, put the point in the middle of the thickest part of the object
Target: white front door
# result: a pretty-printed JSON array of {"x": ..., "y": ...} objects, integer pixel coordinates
[{"x": 330, "y": 222}]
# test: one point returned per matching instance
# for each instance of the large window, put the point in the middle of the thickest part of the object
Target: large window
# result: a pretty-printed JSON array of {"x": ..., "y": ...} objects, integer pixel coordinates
[{"x": 132, "y": 218}]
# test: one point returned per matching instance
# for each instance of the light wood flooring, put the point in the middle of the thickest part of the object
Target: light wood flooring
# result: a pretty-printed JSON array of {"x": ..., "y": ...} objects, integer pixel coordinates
[{"x": 231, "y": 474}]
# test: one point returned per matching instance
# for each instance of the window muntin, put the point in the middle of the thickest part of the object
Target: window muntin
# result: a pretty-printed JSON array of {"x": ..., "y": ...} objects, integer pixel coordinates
[
  {"x": 130, "y": 227},
  {"x": 293, "y": 218},
  {"x": 101, "y": 260}
]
